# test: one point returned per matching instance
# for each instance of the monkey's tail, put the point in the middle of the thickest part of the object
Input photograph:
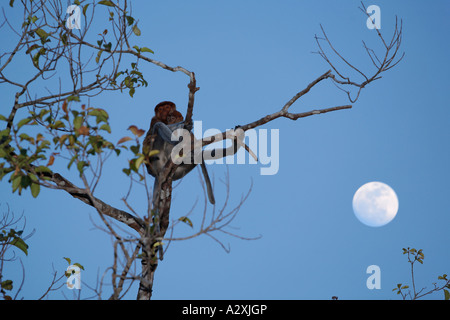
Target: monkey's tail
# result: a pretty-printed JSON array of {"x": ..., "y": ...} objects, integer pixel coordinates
[{"x": 208, "y": 184}]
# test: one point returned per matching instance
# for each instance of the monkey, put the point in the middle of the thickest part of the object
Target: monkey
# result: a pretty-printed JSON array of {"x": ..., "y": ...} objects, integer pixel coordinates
[
  {"x": 159, "y": 137},
  {"x": 162, "y": 110},
  {"x": 166, "y": 120},
  {"x": 174, "y": 116}
]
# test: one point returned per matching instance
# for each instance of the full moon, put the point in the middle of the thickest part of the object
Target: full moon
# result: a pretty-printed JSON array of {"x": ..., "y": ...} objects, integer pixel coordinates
[{"x": 375, "y": 204}]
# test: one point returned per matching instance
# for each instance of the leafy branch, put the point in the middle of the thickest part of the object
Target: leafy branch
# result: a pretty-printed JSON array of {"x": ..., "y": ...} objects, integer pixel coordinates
[{"x": 414, "y": 256}]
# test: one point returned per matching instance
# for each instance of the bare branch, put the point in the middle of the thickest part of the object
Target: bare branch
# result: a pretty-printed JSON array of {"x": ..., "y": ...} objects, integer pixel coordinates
[{"x": 388, "y": 61}]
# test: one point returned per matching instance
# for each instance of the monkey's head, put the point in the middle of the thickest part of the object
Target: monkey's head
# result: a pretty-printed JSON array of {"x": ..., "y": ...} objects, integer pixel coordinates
[
  {"x": 174, "y": 117},
  {"x": 162, "y": 110}
]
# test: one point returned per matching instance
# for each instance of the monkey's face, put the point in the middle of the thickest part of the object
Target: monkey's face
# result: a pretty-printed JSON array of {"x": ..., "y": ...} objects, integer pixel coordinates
[
  {"x": 174, "y": 117},
  {"x": 163, "y": 111}
]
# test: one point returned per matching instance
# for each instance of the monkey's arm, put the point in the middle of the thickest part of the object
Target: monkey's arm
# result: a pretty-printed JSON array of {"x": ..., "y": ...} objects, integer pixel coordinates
[
  {"x": 175, "y": 126},
  {"x": 165, "y": 132}
]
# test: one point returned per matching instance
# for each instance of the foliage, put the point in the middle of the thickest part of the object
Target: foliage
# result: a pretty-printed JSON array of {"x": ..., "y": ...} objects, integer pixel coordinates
[
  {"x": 59, "y": 127},
  {"x": 415, "y": 255},
  {"x": 9, "y": 239}
]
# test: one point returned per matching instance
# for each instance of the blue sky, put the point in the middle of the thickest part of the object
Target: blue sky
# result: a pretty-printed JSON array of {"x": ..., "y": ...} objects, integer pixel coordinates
[{"x": 251, "y": 57}]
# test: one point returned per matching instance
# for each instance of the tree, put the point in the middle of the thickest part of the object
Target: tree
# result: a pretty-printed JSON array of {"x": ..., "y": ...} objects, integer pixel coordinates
[
  {"x": 61, "y": 123},
  {"x": 414, "y": 256},
  {"x": 9, "y": 238}
]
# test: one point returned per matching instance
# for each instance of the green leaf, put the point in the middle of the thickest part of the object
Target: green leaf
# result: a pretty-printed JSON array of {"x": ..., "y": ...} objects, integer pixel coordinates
[
  {"x": 101, "y": 115},
  {"x": 85, "y": 9},
  {"x": 78, "y": 265},
  {"x": 7, "y": 284},
  {"x": 33, "y": 177},
  {"x": 446, "y": 295},
  {"x": 80, "y": 166},
  {"x": 77, "y": 122},
  {"x": 139, "y": 161},
  {"x": 108, "y": 47},
  {"x": 3, "y": 118},
  {"x": 35, "y": 189},
  {"x": 25, "y": 182},
  {"x": 97, "y": 58},
  {"x": 153, "y": 152},
  {"x": 63, "y": 38},
  {"x": 145, "y": 49},
  {"x": 73, "y": 98},
  {"x": 42, "y": 34},
  {"x": 35, "y": 58},
  {"x": 131, "y": 92},
  {"x": 42, "y": 169},
  {"x": 19, "y": 243},
  {"x": 11, "y": 3},
  {"x": 4, "y": 135},
  {"x": 136, "y": 30},
  {"x": 71, "y": 161},
  {"x": 24, "y": 136},
  {"x": 157, "y": 244},
  {"x": 23, "y": 122},
  {"x": 130, "y": 20},
  {"x": 187, "y": 221},
  {"x": 106, "y": 127},
  {"x": 16, "y": 182},
  {"x": 58, "y": 124},
  {"x": 68, "y": 260},
  {"x": 135, "y": 149},
  {"x": 31, "y": 48},
  {"x": 107, "y": 3}
]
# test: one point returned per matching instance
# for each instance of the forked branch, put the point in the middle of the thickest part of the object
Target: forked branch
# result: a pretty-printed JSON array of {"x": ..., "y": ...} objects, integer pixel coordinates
[{"x": 389, "y": 59}]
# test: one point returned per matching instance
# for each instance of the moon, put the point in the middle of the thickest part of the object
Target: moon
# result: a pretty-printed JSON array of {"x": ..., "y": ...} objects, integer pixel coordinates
[{"x": 375, "y": 204}]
